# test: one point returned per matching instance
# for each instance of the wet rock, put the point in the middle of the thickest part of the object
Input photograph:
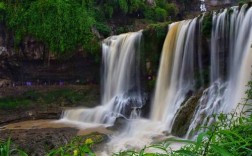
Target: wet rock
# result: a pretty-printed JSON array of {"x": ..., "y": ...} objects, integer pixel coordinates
[
  {"x": 120, "y": 124},
  {"x": 12, "y": 116},
  {"x": 39, "y": 141},
  {"x": 184, "y": 115}
]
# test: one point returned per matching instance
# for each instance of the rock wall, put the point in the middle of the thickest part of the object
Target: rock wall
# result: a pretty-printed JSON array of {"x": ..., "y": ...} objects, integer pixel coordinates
[{"x": 30, "y": 63}]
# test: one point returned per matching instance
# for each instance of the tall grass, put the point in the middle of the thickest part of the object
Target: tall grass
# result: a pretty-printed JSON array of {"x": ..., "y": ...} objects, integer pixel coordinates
[{"x": 6, "y": 149}]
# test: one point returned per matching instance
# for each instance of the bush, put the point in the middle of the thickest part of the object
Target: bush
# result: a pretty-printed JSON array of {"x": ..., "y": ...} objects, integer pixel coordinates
[
  {"x": 103, "y": 29},
  {"x": 160, "y": 14},
  {"x": 123, "y": 5},
  {"x": 171, "y": 9},
  {"x": 79, "y": 146},
  {"x": 149, "y": 13},
  {"x": 61, "y": 25}
]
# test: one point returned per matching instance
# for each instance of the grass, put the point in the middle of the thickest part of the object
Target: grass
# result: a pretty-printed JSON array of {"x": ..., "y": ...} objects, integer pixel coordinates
[
  {"x": 7, "y": 150},
  {"x": 69, "y": 96},
  {"x": 12, "y": 103},
  {"x": 78, "y": 146}
]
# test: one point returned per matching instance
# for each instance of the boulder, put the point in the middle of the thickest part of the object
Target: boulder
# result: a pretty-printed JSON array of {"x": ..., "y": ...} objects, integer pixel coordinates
[{"x": 184, "y": 115}]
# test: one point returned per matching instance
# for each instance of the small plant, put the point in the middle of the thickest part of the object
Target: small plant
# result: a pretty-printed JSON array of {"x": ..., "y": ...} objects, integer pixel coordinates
[
  {"x": 79, "y": 146},
  {"x": 7, "y": 150}
]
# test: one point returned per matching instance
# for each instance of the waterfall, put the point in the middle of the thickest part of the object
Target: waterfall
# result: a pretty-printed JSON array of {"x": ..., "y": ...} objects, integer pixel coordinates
[
  {"x": 198, "y": 76},
  {"x": 176, "y": 73},
  {"x": 181, "y": 68},
  {"x": 224, "y": 95},
  {"x": 121, "y": 96}
]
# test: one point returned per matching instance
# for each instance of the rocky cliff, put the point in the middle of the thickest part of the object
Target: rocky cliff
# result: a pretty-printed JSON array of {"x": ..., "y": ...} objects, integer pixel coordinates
[{"x": 30, "y": 63}]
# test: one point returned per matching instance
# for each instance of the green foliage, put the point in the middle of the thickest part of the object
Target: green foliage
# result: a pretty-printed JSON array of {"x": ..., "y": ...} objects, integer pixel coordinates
[
  {"x": 2, "y": 5},
  {"x": 160, "y": 14},
  {"x": 120, "y": 30},
  {"x": 7, "y": 150},
  {"x": 149, "y": 13},
  {"x": 171, "y": 9},
  {"x": 161, "y": 147},
  {"x": 79, "y": 146},
  {"x": 11, "y": 103},
  {"x": 62, "y": 25},
  {"x": 123, "y": 5},
  {"x": 241, "y": 2},
  {"x": 103, "y": 29},
  {"x": 207, "y": 25},
  {"x": 63, "y": 95},
  {"x": 135, "y": 6}
]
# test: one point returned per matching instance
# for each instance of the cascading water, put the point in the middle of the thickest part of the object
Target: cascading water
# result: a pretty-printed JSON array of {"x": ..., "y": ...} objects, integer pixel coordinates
[
  {"x": 224, "y": 94},
  {"x": 181, "y": 66},
  {"x": 177, "y": 69},
  {"x": 121, "y": 84},
  {"x": 187, "y": 56}
]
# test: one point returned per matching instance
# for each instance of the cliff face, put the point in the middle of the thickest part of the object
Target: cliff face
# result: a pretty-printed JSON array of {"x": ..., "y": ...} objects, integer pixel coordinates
[{"x": 30, "y": 62}]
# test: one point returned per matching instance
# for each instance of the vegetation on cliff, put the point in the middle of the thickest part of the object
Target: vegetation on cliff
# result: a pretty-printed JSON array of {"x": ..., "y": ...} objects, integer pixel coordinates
[{"x": 64, "y": 26}]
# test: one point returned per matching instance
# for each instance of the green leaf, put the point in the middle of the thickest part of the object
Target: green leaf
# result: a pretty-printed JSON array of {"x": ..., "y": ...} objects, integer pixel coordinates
[
  {"x": 2, "y": 5},
  {"x": 221, "y": 151},
  {"x": 185, "y": 153},
  {"x": 200, "y": 139}
]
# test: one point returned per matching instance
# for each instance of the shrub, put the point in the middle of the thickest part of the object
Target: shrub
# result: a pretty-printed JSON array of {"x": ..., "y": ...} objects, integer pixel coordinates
[
  {"x": 61, "y": 25},
  {"x": 123, "y": 5},
  {"x": 160, "y": 14},
  {"x": 79, "y": 146},
  {"x": 149, "y": 13},
  {"x": 171, "y": 9},
  {"x": 103, "y": 29}
]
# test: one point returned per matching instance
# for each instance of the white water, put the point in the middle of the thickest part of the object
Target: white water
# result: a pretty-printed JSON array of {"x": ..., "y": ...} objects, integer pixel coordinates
[
  {"x": 178, "y": 80},
  {"x": 230, "y": 68},
  {"x": 224, "y": 95},
  {"x": 121, "y": 85},
  {"x": 181, "y": 58}
]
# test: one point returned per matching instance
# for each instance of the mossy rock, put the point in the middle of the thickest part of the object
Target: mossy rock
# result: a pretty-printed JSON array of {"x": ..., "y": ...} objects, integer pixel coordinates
[{"x": 184, "y": 115}]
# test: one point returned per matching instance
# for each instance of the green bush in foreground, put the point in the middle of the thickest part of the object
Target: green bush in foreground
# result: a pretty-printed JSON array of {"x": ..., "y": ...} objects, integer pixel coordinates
[
  {"x": 79, "y": 146},
  {"x": 7, "y": 150}
]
